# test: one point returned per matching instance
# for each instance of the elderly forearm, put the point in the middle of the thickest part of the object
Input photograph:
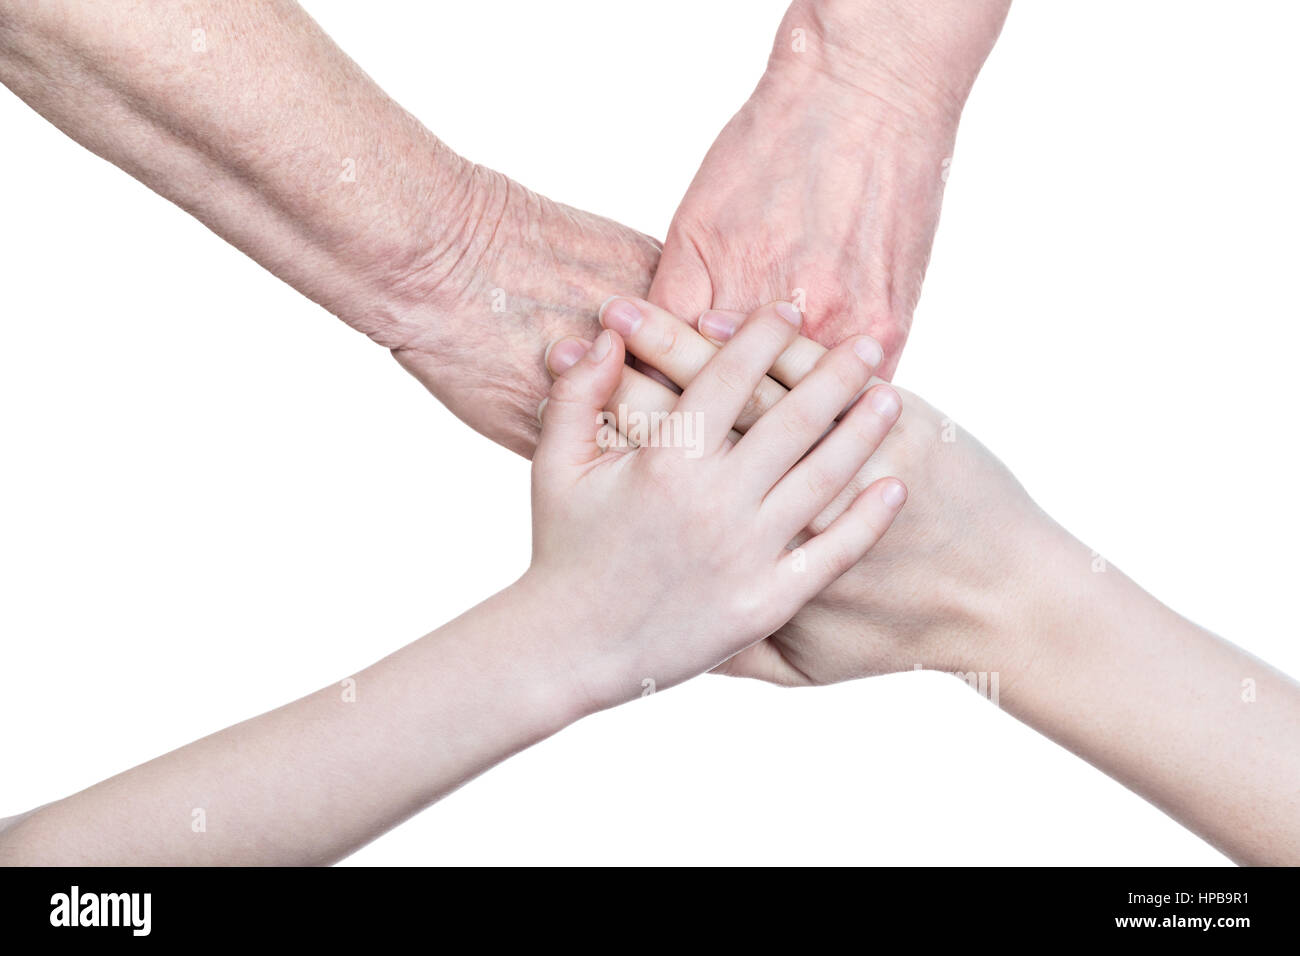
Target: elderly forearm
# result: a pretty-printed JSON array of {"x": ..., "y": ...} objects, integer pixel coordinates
[{"x": 249, "y": 117}]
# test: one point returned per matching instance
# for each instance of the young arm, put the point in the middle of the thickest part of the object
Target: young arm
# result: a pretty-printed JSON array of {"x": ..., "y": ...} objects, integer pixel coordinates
[
  {"x": 1187, "y": 720},
  {"x": 701, "y": 527},
  {"x": 975, "y": 578},
  {"x": 318, "y": 778}
]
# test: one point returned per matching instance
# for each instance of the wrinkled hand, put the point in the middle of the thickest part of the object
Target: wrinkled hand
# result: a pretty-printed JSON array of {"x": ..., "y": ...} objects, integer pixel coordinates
[
  {"x": 523, "y": 271},
  {"x": 825, "y": 188}
]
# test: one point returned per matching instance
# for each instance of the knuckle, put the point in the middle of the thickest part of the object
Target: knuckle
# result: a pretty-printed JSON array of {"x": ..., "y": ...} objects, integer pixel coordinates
[
  {"x": 838, "y": 558},
  {"x": 667, "y": 340},
  {"x": 846, "y": 371},
  {"x": 800, "y": 421},
  {"x": 892, "y": 336},
  {"x": 873, "y": 516},
  {"x": 775, "y": 332},
  {"x": 865, "y": 429},
  {"x": 754, "y": 407},
  {"x": 821, "y": 484},
  {"x": 748, "y": 604},
  {"x": 731, "y": 374},
  {"x": 567, "y": 390},
  {"x": 661, "y": 467}
]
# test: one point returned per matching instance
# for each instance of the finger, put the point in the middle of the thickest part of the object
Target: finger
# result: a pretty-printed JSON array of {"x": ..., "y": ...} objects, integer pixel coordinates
[
  {"x": 562, "y": 354},
  {"x": 571, "y": 416},
  {"x": 782, "y": 436},
  {"x": 826, "y": 556},
  {"x": 819, "y": 479},
  {"x": 638, "y": 397},
  {"x": 722, "y": 389},
  {"x": 719, "y": 325},
  {"x": 636, "y": 391},
  {"x": 661, "y": 340},
  {"x": 654, "y": 374}
]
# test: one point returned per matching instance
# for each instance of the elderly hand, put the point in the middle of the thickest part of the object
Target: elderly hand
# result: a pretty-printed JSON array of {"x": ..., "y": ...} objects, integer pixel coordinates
[{"x": 825, "y": 188}]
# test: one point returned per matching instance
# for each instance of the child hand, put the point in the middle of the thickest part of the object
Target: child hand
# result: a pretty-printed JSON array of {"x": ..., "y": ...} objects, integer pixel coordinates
[
  {"x": 671, "y": 557},
  {"x": 940, "y": 591}
]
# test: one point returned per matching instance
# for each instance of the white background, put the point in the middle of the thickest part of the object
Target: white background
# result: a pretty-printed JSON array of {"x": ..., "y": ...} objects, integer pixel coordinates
[{"x": 215, "y": 497}]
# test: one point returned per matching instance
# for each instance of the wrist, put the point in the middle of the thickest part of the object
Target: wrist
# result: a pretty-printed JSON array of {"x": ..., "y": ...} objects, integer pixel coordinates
[
  {"x": 910, "y": 61},
  {"x": 1049, "y": 589},
  {"x": 479, "y": 249},
  {"x": 416, "y": 275},
  {"x": 503, "y": 273},
  {"x": 571, "y": 639}
]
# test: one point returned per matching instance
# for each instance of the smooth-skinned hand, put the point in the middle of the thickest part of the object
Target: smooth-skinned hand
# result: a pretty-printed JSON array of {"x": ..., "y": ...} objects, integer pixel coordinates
[
  {"x": 936, "y": 591},
  {"x": 712, "y": 518}
]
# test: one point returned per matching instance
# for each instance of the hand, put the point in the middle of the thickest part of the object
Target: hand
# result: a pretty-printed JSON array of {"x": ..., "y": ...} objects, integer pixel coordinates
[
  {"x": 830, "y": 177},
  {"x": 937, "y": 591},
  {"x": 710, "y": 572},
  {"x": 975, "y": 579},
  {"x": 526, "y": 270},
  {"x": 284, "y": 147}
]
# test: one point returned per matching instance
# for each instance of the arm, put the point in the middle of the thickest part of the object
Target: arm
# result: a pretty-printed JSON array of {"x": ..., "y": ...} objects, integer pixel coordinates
[
  {"x": 314, "y": 780},
  {"x": 249, "y": 117},
  {"x": 832, "y": 174},
  {"x": 1183, "y": 718},
  {"x": 976, "y": 579}
]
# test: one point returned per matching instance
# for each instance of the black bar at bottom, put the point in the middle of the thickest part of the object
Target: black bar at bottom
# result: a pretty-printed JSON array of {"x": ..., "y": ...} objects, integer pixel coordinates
[{"x": 1175, "y": 907}]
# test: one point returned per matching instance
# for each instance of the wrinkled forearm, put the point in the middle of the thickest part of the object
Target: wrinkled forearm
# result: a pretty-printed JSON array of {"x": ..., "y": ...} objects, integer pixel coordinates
[{"x": 248, "y": 116}]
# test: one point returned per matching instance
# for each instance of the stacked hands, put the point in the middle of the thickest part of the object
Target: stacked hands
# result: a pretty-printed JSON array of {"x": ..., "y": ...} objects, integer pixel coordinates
[
  {"x": 713, "y": 519},
  {"x": 778, "y": 547},
  {"x": 922, "y": 598},
  {"x": 739, "y": 474}
]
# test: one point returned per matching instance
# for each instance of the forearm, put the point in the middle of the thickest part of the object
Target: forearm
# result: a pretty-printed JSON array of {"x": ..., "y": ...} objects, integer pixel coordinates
[
  {"x": 1192, "y": 723},
  {"x": 249, "y": 117},
  {"x": 314, "y": 780},
  {"x": 254, "y": 124}
]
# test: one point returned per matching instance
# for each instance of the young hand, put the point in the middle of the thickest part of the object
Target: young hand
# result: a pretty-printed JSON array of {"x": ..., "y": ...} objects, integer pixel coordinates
[
  {"x": 976, "y": 579},
  {"x": 935, "y": 593},
  {"x": 671, "y": 557}
]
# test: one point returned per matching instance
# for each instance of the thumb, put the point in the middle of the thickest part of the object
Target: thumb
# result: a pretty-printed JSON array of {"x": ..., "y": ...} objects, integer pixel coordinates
[{"x": 571, "y": 413}]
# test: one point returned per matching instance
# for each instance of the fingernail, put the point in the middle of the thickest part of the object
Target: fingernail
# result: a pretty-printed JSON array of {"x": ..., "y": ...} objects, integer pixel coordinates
[
  {"x": 600, "y": 348},
  {"x": 621, "y": 316},
  {"x": 788, "y": 312},
  {"x": 718, "y": 326},
  {"x": 885, "y": 402},
  {"x": 541, "y": 408},
  {"x": 564, "y": 354},
  {"x": 893, "y": 494},
  {"x": 869, "y": 351}
]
